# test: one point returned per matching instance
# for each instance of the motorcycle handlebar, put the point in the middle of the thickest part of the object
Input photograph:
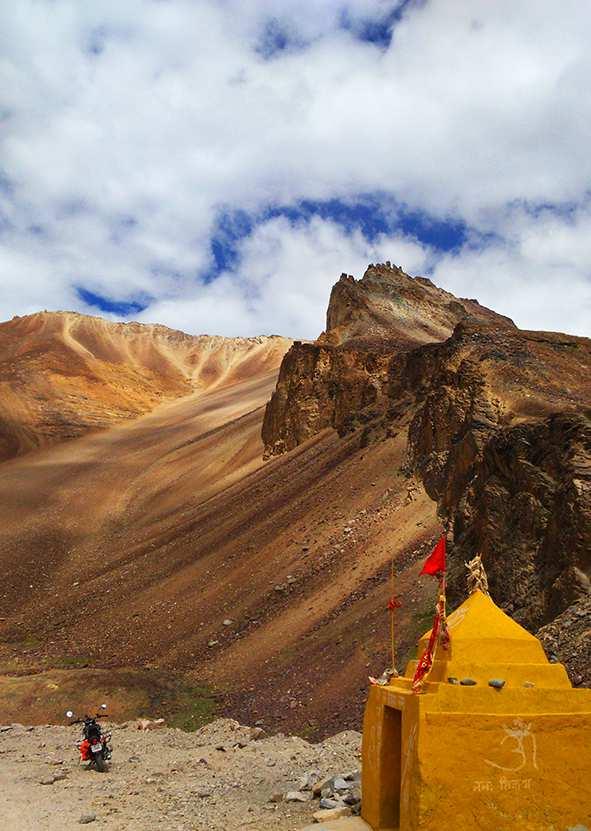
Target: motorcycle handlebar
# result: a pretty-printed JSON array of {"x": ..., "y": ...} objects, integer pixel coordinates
[{"x": 83, "y": 719}]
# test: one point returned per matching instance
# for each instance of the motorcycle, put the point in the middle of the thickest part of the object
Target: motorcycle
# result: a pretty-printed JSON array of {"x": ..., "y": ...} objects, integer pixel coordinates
[{"x": 95, "y": 745}]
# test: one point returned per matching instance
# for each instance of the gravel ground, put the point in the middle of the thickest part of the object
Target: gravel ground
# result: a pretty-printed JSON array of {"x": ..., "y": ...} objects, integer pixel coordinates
[{"x": 218, "y": 779}]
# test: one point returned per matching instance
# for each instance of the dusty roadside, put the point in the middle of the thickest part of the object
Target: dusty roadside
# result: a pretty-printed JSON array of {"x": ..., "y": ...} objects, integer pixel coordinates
[{"x": 220, "y": 778}]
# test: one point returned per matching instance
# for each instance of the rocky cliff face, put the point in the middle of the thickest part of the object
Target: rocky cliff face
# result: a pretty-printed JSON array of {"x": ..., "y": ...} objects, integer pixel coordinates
[
  {"x": 498, "y": 429},
  {"x": 321, "y": 386},
  {"x": 500, "y": 436}
]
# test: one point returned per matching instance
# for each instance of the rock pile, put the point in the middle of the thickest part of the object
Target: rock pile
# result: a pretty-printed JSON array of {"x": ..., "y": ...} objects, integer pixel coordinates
[{"x": 339, "y": 796}]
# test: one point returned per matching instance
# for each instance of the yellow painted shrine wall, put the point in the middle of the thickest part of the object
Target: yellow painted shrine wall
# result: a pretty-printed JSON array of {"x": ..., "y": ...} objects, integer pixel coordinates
[{"x": 472, "y": 757}]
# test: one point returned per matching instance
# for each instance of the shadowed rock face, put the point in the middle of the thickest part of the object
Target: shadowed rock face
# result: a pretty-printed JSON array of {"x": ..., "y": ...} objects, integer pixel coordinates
[
  {"x": 322, "y": 386},
  {"x": 501, "y": 439},
  {"x": 498, "y": 431}
]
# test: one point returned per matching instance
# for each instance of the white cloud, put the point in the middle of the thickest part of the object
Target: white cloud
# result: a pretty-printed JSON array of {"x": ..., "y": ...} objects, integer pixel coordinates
[
  {"x": 175, "y": 115},
  {"x": 537, "y": 272},
  {"x": 282, "y": 280}
]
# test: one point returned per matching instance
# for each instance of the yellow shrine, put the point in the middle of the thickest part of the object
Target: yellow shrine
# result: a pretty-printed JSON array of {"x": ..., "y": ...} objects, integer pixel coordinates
[{"x": 466, "y": 755}]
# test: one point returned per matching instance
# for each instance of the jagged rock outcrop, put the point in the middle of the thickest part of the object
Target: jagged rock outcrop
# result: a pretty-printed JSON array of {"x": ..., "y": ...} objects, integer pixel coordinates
[
  {"x": 320, "y": 386},
  {"x": 507, "y": 459},
  {"x": 498, "y": 424},
  {"x": 388, "y": 307},
  {"x": 339, "y": 380}
]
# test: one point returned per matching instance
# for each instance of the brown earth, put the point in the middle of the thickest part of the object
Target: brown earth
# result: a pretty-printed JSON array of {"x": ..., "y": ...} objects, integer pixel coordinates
[{"x": 45, "y": 696}]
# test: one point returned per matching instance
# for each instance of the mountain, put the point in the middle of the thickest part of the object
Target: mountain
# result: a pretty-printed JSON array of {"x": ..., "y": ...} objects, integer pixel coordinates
[
  {"x": 127, "y": 547},
  {"x": 63, "y": 374},
  {"x": 389, "y": 308},
  {"x": 344, "y": 376},
  {"x": 241, "y": 536},
  {"x": 498, "y": 432}
]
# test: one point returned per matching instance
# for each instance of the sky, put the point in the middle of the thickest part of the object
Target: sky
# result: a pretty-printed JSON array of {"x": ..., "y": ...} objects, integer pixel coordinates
[{"x": 215, "y": 165}]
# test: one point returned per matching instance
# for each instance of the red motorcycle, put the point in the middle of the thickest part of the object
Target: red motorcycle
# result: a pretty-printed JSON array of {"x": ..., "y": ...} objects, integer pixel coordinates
[{"x": 95, "y": 744}]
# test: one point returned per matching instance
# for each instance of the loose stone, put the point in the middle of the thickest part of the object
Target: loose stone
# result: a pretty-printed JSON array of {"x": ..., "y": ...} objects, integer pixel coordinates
[
  {"x": 297, "y": 796},
  {"x": 331, "y": 813}
]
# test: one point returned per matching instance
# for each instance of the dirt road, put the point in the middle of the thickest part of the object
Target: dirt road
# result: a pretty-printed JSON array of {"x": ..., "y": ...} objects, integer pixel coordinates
[{"x": 217, "y": 779}]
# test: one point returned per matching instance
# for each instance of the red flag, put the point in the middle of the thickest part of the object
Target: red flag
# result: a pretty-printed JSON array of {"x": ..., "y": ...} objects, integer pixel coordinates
[
  {"x": 425, "y": 662},
  {"x": 435, "y": 563},
  {"x": 394, "y": 603},
  {"x": 439, "y": 634}
]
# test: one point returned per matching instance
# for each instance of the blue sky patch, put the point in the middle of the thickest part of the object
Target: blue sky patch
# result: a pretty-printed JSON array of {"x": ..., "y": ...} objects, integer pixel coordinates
[
  {"x": 564, "y": 210},
  {"x": 276, "y": 39},
  {"x": 231, "y": 227},
  {"x": 442, "y": 234},
  {"x": 371, "y": 214},
  {"x": 106, "y": 304},
  {"x": 378, "y": 30},
  {"x": 375, "y": 214}
]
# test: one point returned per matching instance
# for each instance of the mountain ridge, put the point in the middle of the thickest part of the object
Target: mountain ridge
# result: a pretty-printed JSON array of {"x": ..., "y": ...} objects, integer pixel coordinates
[{"x": 63, "y": 374}]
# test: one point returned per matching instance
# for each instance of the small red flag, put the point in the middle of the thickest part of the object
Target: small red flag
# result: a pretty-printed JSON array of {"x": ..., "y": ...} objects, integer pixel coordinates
[
  {"x": 435, "y": 563},
  {"x": 394, "y": 603},
  {"x": 425, "y": 662}
]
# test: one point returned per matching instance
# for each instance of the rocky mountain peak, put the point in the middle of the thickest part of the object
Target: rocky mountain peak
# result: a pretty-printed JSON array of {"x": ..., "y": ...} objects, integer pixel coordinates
[
  {"x": 344, "y": 374},
  {"x": 387, "y": 307}
]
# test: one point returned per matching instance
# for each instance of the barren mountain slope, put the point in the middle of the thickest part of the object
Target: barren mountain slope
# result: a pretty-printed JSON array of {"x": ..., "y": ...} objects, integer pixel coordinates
[
  {"x": 131, "y": 547},
  {"x": 63, "y": 374},
  {"x": 499, "y": 433}
]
